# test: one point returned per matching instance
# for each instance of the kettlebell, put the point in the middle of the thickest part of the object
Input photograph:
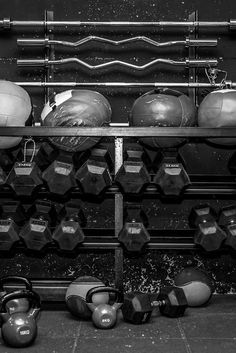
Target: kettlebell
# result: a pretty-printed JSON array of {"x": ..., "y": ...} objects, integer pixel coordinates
[
  {"x": 16, "y": 305},
  {"x": 19, "y": 329},
  {"x": 104, "y": 315}
]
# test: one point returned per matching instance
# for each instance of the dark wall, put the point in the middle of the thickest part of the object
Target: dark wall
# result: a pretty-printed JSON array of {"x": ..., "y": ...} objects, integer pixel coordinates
[{"x": 154, "y": 267}]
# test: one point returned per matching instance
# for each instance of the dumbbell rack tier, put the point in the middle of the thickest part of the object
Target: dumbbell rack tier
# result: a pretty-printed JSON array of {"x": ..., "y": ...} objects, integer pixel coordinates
[{"x": 160, "y": 239}]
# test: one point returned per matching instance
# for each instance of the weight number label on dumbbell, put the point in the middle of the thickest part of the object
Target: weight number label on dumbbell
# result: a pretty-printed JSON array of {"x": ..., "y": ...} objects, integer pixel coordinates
[
  {"x": 134, "y": 229},
  {"x": 171, "y": 165},
  {"x": 96, "y": 169},
  {"x": 172, "y": 169},
  {"x": 4, "y": 225},
  {"x": 131, "y": 169},
  {"x": 23, "y": 168},
  {"x": 38, "y": 226},
  {"x": 63, "y": 169},
  {"x": 68, "y": 229}
]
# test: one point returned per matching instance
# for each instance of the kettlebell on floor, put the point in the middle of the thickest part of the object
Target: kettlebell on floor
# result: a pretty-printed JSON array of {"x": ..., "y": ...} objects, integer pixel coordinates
[{"x": 19, "y": 329}]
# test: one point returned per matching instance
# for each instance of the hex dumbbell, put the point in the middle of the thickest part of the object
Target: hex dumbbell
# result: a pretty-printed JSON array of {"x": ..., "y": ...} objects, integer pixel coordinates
[
  {"x": 227, "y": 220},
  {"x": 208, "y": 234},
  {"x": 133, "y": 174},
  {"x": 171, "y": 176},
  {"x": 25, "y": 175},
  {"x": 36, "y": 233},
  {"x": 94, "y": 176},
  {"x": 69, "y": 234},
  {"x": 134, "y": 234},
  {"x": 137, "y": 307},
  {"x": 60, "y": 175},
  {"x": 12, "y": 216}
]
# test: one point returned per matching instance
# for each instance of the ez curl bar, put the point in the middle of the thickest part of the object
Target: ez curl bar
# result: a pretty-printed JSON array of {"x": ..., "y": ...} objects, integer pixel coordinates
[
  {"x": 46, "y": 42},
  {"x": 185, "y": 63}
]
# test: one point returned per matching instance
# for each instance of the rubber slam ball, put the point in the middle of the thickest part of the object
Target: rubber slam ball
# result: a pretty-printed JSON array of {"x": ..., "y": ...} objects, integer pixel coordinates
[
  {"x": 76, "y": 296},
  {"x": 76, "y": 108},
  {"x": 197, "y": 285},
  {"x": 218, "y": 110},
  {"x": 163, "y": 108},
  {"x": 15, "y": 109}
]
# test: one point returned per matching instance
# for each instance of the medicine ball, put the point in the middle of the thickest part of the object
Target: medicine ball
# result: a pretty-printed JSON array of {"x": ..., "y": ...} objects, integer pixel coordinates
[
  {"x": 76, "y": 296},
  {"x": 76, "y": 108},
  {"x": 218, "y": 109},
  {"x": 15, "y": 109},
  {"x": 163, "y": 108},
  {"x": 197, "y": 285}
]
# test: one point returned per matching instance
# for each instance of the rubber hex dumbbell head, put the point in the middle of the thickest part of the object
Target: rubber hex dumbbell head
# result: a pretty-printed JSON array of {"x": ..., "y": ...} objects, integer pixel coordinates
[
  {"x": 227, "y": 220},
  {"x": 133, "y": 174},
  {"x": 227, "y": 216},
  {"x": 69, "y": 234},
  {"x": 24, "y": 178},
  {"x": 174, "y": 301},
  {"x": 208, "y": 233},
  {"x": 171, "y": 177},
  {"x": 60, "y": 175},
  {"x": 137, "y": 308},
  {"x": 36, "y": 232},
  {"x": 200, "y": 214},
  {"x": 134, "y": 234},
  {"x": 14, "y": 210},
  {"x": 94, "y": 175},
  {"x": 11, "y": 216}
]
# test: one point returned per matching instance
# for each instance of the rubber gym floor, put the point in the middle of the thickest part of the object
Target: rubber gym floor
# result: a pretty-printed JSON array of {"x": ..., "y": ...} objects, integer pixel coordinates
[{"x": 210, "y": 329}]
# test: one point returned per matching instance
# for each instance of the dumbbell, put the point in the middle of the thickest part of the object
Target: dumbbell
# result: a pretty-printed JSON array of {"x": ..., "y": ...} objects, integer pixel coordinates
[
  {"x": 16, "y": 305},
  {"x": 12, "y": 216},
  {"x": 7, "y": 159},
  {"x": 104, "y": 316},
  {"x": 19, "y": 329},
  {"x": 43, "y": 153},
  {"x": 133, "y": 174},
  {"x": 94, "y": 175},
  {"x": 137, "y": 307},
  {"x": 134, "y": 234},
  {"x": 36, "y": 233},
  {"x": 171, "y": 177},
  {"x": 3, "y": 176},
  {"x": 68, "y": 234},
  {"x": 227, "y": 220},
  {"x": 25, "y": 175},
  {"x": 208, "y": 234},
  {"x": 60, "y": 175}
]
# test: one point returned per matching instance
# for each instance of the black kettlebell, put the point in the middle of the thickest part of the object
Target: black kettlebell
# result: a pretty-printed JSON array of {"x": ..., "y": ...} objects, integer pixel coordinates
[
  {"x": 104, "y": 315},
  {"x": 19, "y": 329},
  {"x": 16, "y": 305}
]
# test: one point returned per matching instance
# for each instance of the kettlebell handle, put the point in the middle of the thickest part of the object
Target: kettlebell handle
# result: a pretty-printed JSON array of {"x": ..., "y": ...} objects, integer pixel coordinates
[
  {"x": 33, "y": 296},
  {"x": 101, "y": 289},
  {"x": 17, "y": 279}
]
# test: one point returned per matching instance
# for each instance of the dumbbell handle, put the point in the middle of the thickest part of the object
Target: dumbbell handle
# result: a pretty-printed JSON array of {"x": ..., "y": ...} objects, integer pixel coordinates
[{"x": 158, "y": 303}]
